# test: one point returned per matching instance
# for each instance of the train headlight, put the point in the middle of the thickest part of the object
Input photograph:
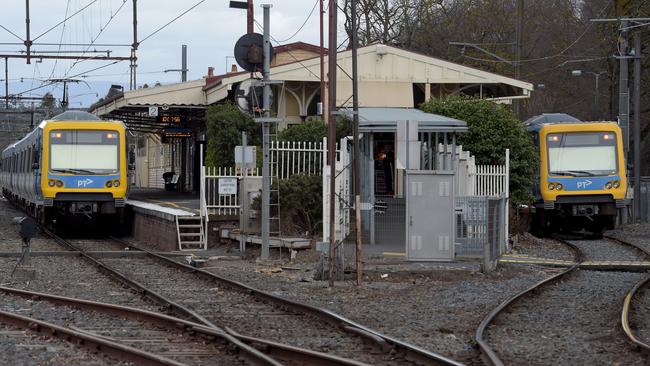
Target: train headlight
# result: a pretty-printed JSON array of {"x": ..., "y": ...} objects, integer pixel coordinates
[
  {"x": 51, "y": 183},
  {"x": 608, "y": 185},
  {"x": 616, "y": 184},
  {"x": 109, "y": 184},
  {"x": 116, "y": 183},
  {"x": 551, "y": 186},
  {"x": 559, "y": 186},
  {"x": 59, "y": 183}
]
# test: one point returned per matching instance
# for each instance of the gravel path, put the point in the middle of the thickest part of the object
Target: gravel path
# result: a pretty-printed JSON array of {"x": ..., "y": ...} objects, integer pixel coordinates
[
  {"x": 529, "y": 245},
  {"x": 607, "y": 250},
  {"x": 173, "y": 344},
  {"x": 575, "y": 322},
  {"x": 634, "y": 233}
]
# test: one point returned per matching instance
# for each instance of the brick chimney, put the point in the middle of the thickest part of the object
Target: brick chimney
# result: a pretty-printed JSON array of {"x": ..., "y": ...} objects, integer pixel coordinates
[
  {"x": 233, "y": 68},
  {"x": 210, "y": 71}
]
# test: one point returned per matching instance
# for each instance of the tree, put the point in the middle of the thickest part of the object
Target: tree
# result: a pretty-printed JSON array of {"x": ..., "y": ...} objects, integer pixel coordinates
[
  {"x": 314, "y": 131},
  {"x": 47, "y": 101},
  {"x": 224, "y": 123},
  {"x": 492, "y": 129}
]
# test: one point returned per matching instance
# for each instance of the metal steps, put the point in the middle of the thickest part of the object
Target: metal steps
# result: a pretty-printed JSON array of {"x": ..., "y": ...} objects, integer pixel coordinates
[{"x": 191, "y": 232}]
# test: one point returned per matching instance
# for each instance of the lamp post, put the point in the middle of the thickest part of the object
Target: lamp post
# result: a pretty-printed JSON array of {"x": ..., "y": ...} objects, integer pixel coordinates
[{"x": 597, "y": 78}]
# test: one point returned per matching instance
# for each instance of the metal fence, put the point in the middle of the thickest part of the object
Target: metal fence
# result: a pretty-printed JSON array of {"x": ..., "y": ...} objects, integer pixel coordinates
[
  {"x": 296, "y": 157},
  {"x": 217, "y": 203},
  {"x": 644, "y": 214},
  {"x": 480, "y": 225}
]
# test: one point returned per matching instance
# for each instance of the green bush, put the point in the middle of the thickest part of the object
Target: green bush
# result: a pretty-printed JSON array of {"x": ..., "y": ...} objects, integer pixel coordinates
[
  {"x": 301, "y": 202},
  {"x": 493, "y": 128},
  {"x": 314, "y": 131},
  {"x": 224, "y": 123}
]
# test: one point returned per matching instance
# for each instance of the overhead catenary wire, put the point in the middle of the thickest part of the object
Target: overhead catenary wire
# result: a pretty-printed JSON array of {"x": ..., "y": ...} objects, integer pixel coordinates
[
  {"x": 12, "y": 33},
  {"x": 171, "y": 21},
  {"x": 63, "y": 21},
  {"x": 303, "y": 24}
]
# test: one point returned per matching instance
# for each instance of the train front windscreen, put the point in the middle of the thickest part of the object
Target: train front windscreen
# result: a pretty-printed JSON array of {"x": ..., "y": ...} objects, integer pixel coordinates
[
  {"x": 84, "y": 152},
  {"x": 582, "y": 154}
]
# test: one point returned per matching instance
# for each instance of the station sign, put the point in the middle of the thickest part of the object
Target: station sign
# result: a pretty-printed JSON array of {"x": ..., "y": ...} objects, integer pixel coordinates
[
  {"x": 177, "y": 132},
  {"x": 227, "y": 185},
  {"x": 171, "y": 119}
]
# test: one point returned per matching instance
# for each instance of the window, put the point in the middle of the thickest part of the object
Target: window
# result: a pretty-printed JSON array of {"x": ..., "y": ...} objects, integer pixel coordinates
[
  {"x": 582, "y": 154},
  {"x": 84, "y": 152}
]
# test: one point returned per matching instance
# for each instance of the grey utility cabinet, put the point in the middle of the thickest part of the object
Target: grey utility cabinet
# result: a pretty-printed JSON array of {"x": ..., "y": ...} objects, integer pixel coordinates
[{"x": 430, "y": 200}]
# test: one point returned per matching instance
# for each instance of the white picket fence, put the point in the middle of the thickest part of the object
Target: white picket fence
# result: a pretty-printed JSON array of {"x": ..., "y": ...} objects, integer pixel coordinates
[
  {"x": 288, "y": 158},
  {"x": 296, "y": 157},
  {"x": 491, "y": 180}
]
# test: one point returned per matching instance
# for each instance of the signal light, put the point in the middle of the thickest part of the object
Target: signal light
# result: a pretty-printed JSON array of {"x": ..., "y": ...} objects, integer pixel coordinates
[
  {"x": 51, "y": 183},
  {"x": 608, "y": 185},
  {"x": 57, "y": 135},
  {"x": 116, "y": 183},
  {"x": 551, "y": 186},
  {"x": 109, "y": 184},
  {"x": 616, "y": 184},
  {"x": 59, "y": 183},
  {"x": 111, "y": 135},
  {"x": 555, "y": 138},
  {"x": 559, "y": 186}
]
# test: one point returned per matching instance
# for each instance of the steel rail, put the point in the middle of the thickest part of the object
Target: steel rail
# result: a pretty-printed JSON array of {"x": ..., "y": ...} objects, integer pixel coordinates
[
  {"x": 243, "y": 343},
  {"x": 168, "y": 321},
  {"x": 86, "y": 340},
  {"x": 627, "y": 300},
  {"x": 490, "y": 355},
  {"x": 382, "y": 341}
]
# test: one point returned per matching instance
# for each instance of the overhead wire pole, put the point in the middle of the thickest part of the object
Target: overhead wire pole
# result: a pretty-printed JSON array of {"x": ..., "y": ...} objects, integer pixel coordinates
[
  {"x": 28, "y": 41},
  {"x": 322, "y": 62},
  {"x": 250, "y": 17},
  {"x": 637, "y": 125},
  {"x": 134, "y": 47},
  {"x": 266, "y": 100},
  {"x": 6, "y": 83},
  {"x": 355, "y": 152},
  {"x": 331, "y": 133}
]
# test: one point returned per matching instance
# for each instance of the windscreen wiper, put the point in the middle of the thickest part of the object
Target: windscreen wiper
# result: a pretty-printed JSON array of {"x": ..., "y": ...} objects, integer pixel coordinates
[
  {"x": 574, "y": 173},
  {"x": 74, "y": 171}
]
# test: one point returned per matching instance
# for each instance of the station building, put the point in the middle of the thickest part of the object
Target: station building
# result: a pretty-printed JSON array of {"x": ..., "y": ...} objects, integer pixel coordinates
[{"x": 169, "y": 120}]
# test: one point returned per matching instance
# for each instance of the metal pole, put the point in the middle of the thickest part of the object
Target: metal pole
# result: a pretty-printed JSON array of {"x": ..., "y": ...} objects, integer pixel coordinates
[
  {"x": 266, "y": 179},
  {"x": 322, "y": 62},
  {"x": 637, "y": 126},
  {"x": 184, "y": 63},
  {"x": 250, "y": 18},
  {"x": 331, "y": 129},
  {"x": 244, "y": 145},
  {"x": 6, "y": 83},
  {"x": 355, "y": 152},
  {"x": 28, "y": 42},
  {"x": 520, "y": 32},
  {"x": 623, "y": 93},
  {"x": 134, "y": 46},
  {"x": 596, "y": 97}
]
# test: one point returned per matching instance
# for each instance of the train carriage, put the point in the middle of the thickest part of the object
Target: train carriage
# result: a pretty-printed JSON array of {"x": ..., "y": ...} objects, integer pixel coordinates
[
  {"x": 70, "y": 167},
  {"x": 582, "y": 173}
]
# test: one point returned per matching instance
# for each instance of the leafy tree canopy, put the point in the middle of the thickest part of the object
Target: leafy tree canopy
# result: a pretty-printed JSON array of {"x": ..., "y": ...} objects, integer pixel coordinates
[
  {"x": 225, "y": 122},
  {"x": 492, "y": 129}
]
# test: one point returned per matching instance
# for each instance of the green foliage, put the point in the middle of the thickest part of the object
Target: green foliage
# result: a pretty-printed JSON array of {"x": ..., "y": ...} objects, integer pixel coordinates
[
  {"x": 301, "y": 202},
  {"x": 225, "y": 122},
  {"x": 314, "y": 131},
  {"x": 493, "y": 128}
]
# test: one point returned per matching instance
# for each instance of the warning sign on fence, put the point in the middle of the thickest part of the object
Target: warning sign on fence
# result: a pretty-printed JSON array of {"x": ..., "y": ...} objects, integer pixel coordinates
[{"x": 227, "y": 185}]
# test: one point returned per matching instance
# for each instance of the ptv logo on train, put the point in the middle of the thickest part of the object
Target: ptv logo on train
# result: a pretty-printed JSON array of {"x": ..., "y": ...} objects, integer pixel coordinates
[
  {"x": 584, "y": 184},
  {"x": 84, "y": 183}
]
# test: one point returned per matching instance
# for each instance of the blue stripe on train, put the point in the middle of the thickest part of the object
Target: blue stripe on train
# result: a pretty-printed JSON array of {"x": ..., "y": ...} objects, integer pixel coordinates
[
  {"x": 84, "y": 181},
  {"x": 583, "y": 183}
]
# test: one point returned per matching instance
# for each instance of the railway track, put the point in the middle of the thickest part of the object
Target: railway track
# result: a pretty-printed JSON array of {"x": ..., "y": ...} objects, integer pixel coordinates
[
  {"x": 634, "y": 315},
  {"x": 126, "y": 333},
  {"x": 568, "y": 318},
  {"x": 237, "y": 308}
]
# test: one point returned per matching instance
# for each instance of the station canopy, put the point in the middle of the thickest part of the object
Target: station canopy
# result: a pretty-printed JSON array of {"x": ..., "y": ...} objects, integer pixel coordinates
[{"x": 387, "y": 120}]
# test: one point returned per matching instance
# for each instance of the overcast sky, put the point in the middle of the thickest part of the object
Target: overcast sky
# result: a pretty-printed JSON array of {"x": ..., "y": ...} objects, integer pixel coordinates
[{"x": 210, "y": 31}]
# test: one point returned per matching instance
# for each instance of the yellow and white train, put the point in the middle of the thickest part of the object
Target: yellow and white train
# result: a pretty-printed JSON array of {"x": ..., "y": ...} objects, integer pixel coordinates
[
  {"x": 71, "y": 166},
  {"x": 582, "y": 177}
]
